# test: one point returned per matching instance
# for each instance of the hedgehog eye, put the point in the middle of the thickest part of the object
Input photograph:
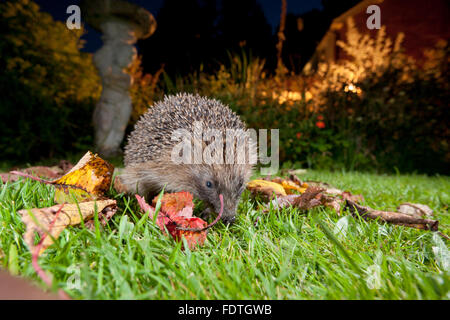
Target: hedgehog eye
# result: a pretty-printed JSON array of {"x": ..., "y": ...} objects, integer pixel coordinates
[{"x": 209, "y": 184}]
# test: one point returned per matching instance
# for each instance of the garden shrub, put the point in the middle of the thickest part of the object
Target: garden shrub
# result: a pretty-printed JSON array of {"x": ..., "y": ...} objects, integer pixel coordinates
[
  {"x": 377, "y": 111},
  {"x": 392, "y": 111},
  {"x": 47, "y": 86}
]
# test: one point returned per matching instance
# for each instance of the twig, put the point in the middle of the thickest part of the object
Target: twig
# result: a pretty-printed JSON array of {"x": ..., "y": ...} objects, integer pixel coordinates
[
  {"x": 443, "y": 235},
  {"x": 280, "y": 34},
  {"x": 26, "y": 175}
]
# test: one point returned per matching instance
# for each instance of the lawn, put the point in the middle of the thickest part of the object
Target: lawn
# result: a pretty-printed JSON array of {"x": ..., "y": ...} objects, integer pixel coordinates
[{"x": 275, "y": 255}]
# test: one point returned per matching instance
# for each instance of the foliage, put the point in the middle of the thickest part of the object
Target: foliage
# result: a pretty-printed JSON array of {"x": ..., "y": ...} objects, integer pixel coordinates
[
  {"x": 48, "y": 87},
  {"x": 391, "y": 111},
  {"x": 367, "y": 58},
  {"x": 143, "y": 89},
  {"x": 377, "y": 110}
]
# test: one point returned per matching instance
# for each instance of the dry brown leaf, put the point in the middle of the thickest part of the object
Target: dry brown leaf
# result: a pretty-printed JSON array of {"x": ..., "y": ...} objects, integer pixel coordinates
[
  {"x": 297, "y": 181},
  {"x": 392, "y": 217},
  {"x": 415, "y": 209},
  {"x": 39, "y": 220},
  {"x": 312, "y": 197},
  {"x": 284, "y": 201},
  {"x": 119, "y": 186},
  {"x": 276, "y": 180},
  {"x": 327, "y": 187},
  {"x": 309, "y": 199},
  {"x": 8, "y": 177},
  {"x": 103, "y": 216},
  {"x": 410, "y": 215},
  {"x": 347, "y": 195},
  {"x": 39, "y": 171}
]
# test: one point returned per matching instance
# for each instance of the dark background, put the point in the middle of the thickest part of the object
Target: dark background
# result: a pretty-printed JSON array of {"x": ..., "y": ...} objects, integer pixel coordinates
[
  {"x": 397, "y": 121},
  {"x": 200, "y": 33}
]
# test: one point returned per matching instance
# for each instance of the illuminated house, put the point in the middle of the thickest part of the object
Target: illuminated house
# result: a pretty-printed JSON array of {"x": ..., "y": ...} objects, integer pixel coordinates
[{"x": 423, "y": 22}]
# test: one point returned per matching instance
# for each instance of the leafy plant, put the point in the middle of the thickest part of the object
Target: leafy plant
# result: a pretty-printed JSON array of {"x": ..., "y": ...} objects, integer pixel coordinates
[{"x": 48, "y": 86}]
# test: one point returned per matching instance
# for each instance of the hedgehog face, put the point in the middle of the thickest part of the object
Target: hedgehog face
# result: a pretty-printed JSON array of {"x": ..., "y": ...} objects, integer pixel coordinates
[{"x": 216, "y": 180}]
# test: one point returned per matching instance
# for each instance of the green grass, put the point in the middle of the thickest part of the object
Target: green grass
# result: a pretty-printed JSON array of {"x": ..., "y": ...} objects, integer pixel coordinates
[{"x": 287, "y": 255}]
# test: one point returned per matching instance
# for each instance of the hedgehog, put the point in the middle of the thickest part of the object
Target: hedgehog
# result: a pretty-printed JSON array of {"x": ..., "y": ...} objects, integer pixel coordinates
[{"x": 152, "y": 158}]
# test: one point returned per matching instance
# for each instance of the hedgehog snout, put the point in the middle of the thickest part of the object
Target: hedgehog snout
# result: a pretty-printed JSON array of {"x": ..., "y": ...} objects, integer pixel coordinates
[{"x": 229, "y": 219}]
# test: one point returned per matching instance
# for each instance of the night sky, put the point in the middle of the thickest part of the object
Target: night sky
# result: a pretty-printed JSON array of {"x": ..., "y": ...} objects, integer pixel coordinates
[{"x": 272, "y": 8}]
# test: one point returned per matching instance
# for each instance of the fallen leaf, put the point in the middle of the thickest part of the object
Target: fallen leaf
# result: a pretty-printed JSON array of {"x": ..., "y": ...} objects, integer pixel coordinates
[
  {"x": 8, "y": 177},
  {"x": 266, "y": 188},
  {"x": 333, "y": 202},
  {"x": 325, "y": 186},
  {"x": 103, "y": 216},
  {"x": 118, "y": 185},
  {"x": 176, "y": 204},
  {"x": 162, "y": 219},
  {"x": 89, "y": 179},
  {"x": 175, "y": 215},
  {"x": 296, "y": 180},
  {"x": 145, "y": 206},
  {"x": 67, "y": 194},
  {"x": 312, "y": 197},
  {"x": 284, "y": 201},
  {"x": 35, "y": 256},
  {"x": 290, "y": 186},
  {"x": 39, "y": 171},
  {"x": 415, "y": 209},
  {"x": 43, "y": 172},
  {"x": 276, "y": 179},
  {"x": 293, "y": 171},
  {"x": 322, "y": 194},
  {"x": 309, "y": 199},
  {"x": 65, "y": 166},
  {"x": 193, "y": 238},
  {"x": 392, "y": 217},
  {"x": 347, "y": 195},
  {"x": 39, "y": 220}
]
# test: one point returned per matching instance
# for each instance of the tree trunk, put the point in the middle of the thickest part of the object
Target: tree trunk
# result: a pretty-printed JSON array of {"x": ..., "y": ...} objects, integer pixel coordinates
[{"x": 113, "y": 111}]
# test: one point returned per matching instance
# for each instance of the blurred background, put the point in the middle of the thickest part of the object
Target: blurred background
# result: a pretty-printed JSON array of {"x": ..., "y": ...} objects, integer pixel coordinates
[{"x": 343, "y": 96}]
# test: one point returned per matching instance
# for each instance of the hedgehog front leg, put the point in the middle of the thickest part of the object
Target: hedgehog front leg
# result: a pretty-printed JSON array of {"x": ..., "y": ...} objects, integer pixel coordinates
[
  {"x": 206, "y": 213},
  {"x": 136, "y": 179}
]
